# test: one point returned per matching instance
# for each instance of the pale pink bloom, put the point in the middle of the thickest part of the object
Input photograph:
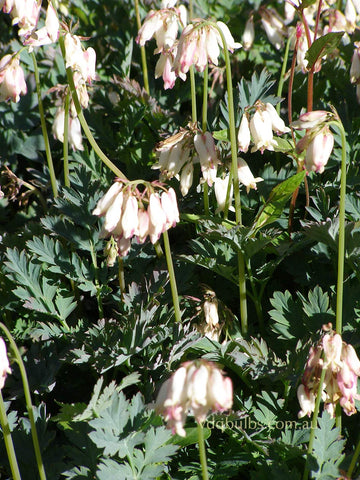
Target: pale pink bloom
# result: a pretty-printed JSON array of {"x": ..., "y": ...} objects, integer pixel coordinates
[
  {"x": 355, "y": 66},
  {"x": 246, "y": 177},
  {"x": 220, "y": 391},
  {"x": 199, "y": 44},
  {"x": 7, "y": 5},
  {"x": 113, "y": 215},
  {"x": 205, "y": 148},
  {"x": 170, "y": 207},
  {"x": 80, "y": 60},
  {"x": 105, "y": 202},
  {"x": 123, "y": 245},
  {"x": 129, "y": 219},
  {"x": 52, "y": 23},
  {"x": 164, "y": 67},
  {"x": 351, "y": 359},
  {"x": 157, "y": 218},
  {"x": 221, "y": 186},
  {"x": 163, "y": 25},
  {"x": 143, "y": 225},
  {"x": 248, "y": 36},
  {"x": 312, "y": 119},
  {"x": 211, "y": 312},
  {"x": 186, "y": 178},
  {"x": 261, "y": 131},
  {"x": 277, "y": 123},
  {"x": 350, "y": 14},
  {"x": 25, "y": 14},
  {"x": 244, "y": 137},
  {"x": 75, "y": 136},
  {"x": 306, "y": 400},
  {"x": 273, "y": 27},
  {"x": 319, "y": 150},
  {"x": 332, "y": 346},
  {"x": 4, "y": 363},
  {"x": 12, "y": 79}
]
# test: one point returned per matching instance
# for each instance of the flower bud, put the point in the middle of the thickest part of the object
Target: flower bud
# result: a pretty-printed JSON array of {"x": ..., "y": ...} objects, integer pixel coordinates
[
  {"x": 249, "y": 34},
  {"x": 319, "y": 150},
  {"x": 244, "y": 137},
  {"x": 221, "y": 187}
]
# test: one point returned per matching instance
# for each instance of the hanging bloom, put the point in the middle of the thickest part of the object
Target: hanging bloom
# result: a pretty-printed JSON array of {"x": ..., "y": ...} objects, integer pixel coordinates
[
  {"x": 261, "y": 131},
  {"x": 163, "y": 25},
  {"x": 205, "y": 147},
  {"x": 25, "y": 14},
  {"x": 274, "y": 27},
  {"x": 164, "y": 67},
  {"x": 340, "y": 383},
  {"x": 200, "y": 44},
  {"x": 173, "y": 153},
  {"x": 12, "y": 79},
  {"x": 80, "y": 60},
  {"x": 126, "y": 216},
  {"x": 277, "y": 123},
  {"x": 74, "y": 129},
  {"x": 246, "y": 177},
  {"x": 319, "y": 150},
  {"x": 244, "y": 136},
  {"x": 310, "y": 120},
  {"x": 355, "y": 65},
  {"x": 249, "y": 34},
  {"x": 198, "y": 386},
  {"x": 186, "y": 178},
  {"x": 221, "y": 186},
  {"x": 47, "y": 34},
  {"x": 211, "y": 326},
  {"x": 4, "y": 363}
]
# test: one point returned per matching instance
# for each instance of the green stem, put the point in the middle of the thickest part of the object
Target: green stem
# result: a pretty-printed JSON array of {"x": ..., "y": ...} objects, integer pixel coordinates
[
  {"x": 66, "y": 140},
  {"x": 97, "y": 284},
  {"x": 83, "y": 122},
  {"x": 29, "y": 405},
  {"x": 202, "y": 452},
  {"x": 234, "y": 170},
  {"x": 341, "y": 245},
  {"x": 10, "y": 450},
  {"x": 353, "y": 460},
  {"x": 121, "y": 276},
  {"x": 193, "y": 95},
  {"x": 314, "y": 422},
  {"x": 283, "y": 72},
  {"x": 174, "y": 291},
  {"x": 205, "y": 98},
  {"x": 142, "y": 50},
  {"x": 43, "y": 128}
]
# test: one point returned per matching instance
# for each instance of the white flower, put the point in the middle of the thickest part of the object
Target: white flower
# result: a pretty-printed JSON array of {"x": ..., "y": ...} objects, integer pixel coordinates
[{"x": 246, "y": 177}]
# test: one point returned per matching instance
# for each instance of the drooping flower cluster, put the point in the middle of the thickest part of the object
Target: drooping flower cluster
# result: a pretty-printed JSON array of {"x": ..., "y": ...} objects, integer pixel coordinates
[
  {"x": 198, "y": 45},
  {"x": 196, "y": 387},
  {"x": 178, "y": 153},
  {"x": 260, "y": 129},
  {"x": 342, "y": 369},
  {"x": 130, "y": 213},
  {"x": 4, "y": 363},
  {"x": 318, "y": 140}
]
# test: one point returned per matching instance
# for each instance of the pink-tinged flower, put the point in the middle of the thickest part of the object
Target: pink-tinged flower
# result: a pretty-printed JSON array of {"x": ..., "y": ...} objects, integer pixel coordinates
[
  {"x": 332, "y": 346},
  {"x": 164, "y": 68},
  {"x": 81, "y": 61},
  {"x": 107, "y": 200},
  {"x": 244, "y": 137},
  {"x": 47, "y": 34},
  {"x": 246, "y": 177},
  {"x": 129, "y": 219},
  {"x": 248, "y": 36},
  {"x": 355, "y": 65},
  {"x": 197, "y": 386},
  {"x": 306, "y": 400},
  {"x": 4, "y": 363},
  {"x": 200, "y": 44},
  {"x": 12, "y": 79},
  {"x": 143, "y": 225},
  {"x": 221, "y": 186},
  {"x": 274, "y": 27},
  {"x": 312, "y": 119},
  {"x": 7, "y": 5},
  {"x": 261, "y": 131},
  {"x": 157, "y": 218},
  {"x": 319, "y": 150},
  {"x": 123, "y": 245},
  {"x": 74, "y": 129},
  {"x": 277, "y": 123},
  {"x": 186, "y": 178},
  {"x": 163, "y": 25},
  {"x": 170, "y": 207},
  {"x": 113, "y": 216},
  {"x": 205, "y": 148},
  {"x": 25, "y": 14}
]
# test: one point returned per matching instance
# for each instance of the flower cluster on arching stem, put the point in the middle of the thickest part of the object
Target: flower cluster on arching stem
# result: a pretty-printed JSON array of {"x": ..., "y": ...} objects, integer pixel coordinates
[
  {"x": 342, "y": 369},
  {"x": 318, "y": 142},
  {"x": 197, "y": 387},
  {"x": 133, "y": 213}
]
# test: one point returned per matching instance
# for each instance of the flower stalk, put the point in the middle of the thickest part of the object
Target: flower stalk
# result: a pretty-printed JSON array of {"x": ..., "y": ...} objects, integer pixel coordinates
[
  {"x": 28, "y": 401},
  {"x": 173, "y": 286},
  {"x": 142, "y": 51},
  {"x": 202, "y": 452},
  {"x": 10, "y": 450},
  {"x": 44, "y": 129},
  {"x": 66, "y": 141}
]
